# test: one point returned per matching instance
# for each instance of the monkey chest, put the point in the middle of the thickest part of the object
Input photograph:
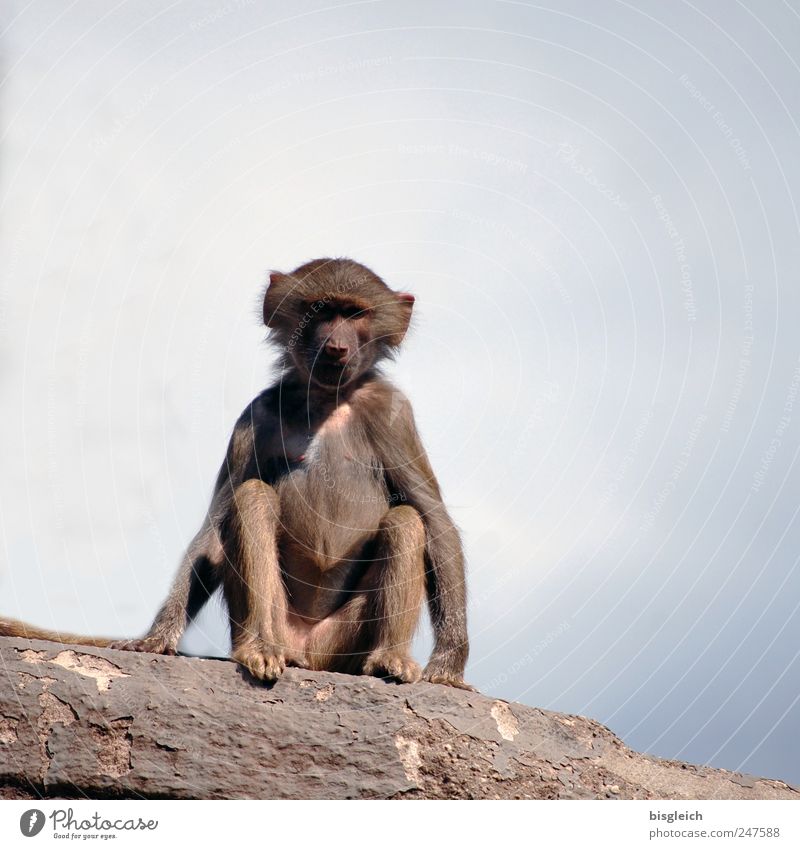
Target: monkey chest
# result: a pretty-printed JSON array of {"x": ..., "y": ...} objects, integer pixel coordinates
[
  {"x": 332, "y": 501},
  {"x": 335, "y": 486}
]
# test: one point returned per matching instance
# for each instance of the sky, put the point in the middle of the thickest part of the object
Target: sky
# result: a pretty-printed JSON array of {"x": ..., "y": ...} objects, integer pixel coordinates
[{"x": 594, "y": 204}]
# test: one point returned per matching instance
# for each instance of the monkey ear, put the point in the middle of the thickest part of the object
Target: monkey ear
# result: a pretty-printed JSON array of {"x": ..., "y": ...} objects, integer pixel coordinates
[
  {"x": 276, "y": 298},
  {"x": 405, "y": 305}
]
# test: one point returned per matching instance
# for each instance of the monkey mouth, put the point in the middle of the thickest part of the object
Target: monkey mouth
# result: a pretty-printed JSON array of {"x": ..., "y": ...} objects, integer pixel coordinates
[{"x": 331, "y": 373}]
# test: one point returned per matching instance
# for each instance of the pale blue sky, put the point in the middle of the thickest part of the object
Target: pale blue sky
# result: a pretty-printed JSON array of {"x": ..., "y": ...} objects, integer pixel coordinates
[{"x": 595, "y": 205}]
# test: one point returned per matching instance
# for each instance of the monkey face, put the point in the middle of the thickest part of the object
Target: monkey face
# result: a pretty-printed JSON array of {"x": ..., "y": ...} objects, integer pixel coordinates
[
  {"x": 336, "y": 346},
  {"x": 335, "y": 319}
]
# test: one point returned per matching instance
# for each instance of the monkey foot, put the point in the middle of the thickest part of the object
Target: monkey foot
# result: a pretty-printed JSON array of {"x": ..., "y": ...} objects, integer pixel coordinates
[
  {"x": 261, "y": 660},
  {"x": 298, "y": 660},
  {"x": 153, "y": 645},
  {"x": 394, "y": 664},
  {"x": 449, "y": 679}
]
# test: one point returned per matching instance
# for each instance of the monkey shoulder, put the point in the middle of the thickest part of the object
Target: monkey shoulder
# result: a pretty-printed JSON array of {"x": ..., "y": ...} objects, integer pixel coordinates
[
  {"x": 254, "y": 418},
  {"x": 255, "y": 428},
  {"x": 382, "y": 399},
  {"x": 266, "y": 404},
  {"x": 388, "y": 421}
]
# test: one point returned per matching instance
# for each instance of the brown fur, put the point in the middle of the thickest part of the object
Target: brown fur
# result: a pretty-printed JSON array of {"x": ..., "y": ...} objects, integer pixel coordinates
[
  {"x": 327, "y": 528},
  {"x": 15, "y": 628}
]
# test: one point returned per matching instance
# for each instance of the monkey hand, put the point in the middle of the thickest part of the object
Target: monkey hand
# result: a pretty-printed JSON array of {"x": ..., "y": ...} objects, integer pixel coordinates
[
  {"x": 262, "y": 660},
  {"x": 155, "y": 644},
  {"x": 393, "y": 664},
  {"x": 438, "y": 671}
]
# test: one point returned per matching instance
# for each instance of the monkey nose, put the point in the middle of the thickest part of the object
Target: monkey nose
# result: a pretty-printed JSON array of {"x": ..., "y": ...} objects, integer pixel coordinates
[{"x": 336, "y": 350}]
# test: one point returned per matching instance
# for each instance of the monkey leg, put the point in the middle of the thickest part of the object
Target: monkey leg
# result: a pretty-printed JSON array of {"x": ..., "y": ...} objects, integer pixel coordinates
[
  {"x": 372, "y": 632},
  {"x": 252, "y": 582}
]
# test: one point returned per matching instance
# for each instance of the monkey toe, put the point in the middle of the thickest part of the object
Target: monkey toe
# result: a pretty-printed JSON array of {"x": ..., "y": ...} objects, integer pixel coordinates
[
  {"x": 273, "y": 667},
  {"x": 298, "y": 660},
  {"x": 261, "y": 662},
  {"x": 392, "y": 665},
  {"x": 449, "y": 680},
  {"x": 151, "y": 645}
]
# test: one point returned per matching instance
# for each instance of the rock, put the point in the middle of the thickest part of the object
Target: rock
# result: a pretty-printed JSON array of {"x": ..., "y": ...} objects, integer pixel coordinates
[{"x": 78, "y": 722}]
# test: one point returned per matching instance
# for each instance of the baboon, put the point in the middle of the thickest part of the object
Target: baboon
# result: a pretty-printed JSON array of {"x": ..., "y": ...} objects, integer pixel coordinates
[{"x": 326, "y": 529}]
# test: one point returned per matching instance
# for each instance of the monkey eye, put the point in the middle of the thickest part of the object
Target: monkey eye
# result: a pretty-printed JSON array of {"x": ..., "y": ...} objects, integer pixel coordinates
[
  {"x": 351, "y": 311},
  {"x": 323, "y": 310},
  {"x": 326, "y": 311}
]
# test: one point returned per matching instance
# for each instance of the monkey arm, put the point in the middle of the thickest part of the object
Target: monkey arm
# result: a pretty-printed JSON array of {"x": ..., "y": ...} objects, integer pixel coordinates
[
  {"x": 411, "y": 481},
  {"x": 444, "y": 568}
]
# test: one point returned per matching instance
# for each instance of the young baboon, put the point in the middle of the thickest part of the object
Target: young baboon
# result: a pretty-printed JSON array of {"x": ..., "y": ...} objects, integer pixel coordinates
[{"x": 327, "y": 527}]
